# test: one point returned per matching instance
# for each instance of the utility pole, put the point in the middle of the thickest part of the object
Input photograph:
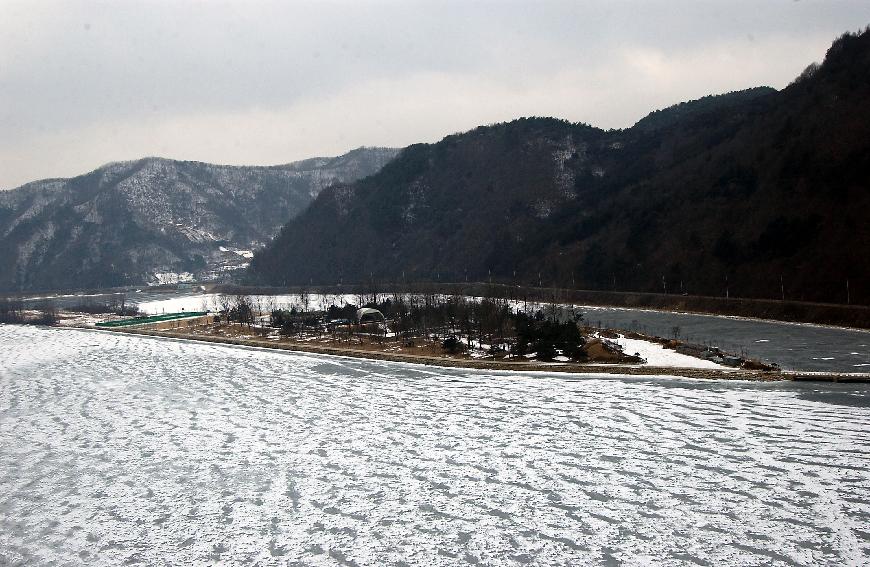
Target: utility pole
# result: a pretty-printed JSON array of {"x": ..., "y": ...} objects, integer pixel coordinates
[
  {"x": 727, "y": 294},
  {"x": 848, "y": 296},
  {"x": 781, "y": 288}
]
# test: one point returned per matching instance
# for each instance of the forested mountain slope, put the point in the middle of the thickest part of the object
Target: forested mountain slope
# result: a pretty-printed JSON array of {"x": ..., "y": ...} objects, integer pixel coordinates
[
  {"x": 143, "y": 221},
  {"x": 757, "y": 193}
]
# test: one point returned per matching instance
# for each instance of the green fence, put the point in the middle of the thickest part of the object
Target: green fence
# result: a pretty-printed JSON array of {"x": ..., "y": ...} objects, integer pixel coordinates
[{"x": 152, "y": 319}]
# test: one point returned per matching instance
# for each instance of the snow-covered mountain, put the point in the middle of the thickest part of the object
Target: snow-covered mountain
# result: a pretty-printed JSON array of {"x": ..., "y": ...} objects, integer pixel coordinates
[{"x": 152, "y": 219}]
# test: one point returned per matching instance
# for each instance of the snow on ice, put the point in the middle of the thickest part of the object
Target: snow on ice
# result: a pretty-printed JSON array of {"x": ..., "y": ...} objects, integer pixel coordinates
[
  {"x": 657, "y": 355},
  {"x": 120, "y": 449}
]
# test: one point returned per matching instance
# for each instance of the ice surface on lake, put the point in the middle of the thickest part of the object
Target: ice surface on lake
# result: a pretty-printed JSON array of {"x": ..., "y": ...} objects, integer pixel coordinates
[{"x": 118, "y": 449}]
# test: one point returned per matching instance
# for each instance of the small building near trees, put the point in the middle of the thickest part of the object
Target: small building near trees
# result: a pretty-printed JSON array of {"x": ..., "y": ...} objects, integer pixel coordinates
[{"x": 368, "y": 315}]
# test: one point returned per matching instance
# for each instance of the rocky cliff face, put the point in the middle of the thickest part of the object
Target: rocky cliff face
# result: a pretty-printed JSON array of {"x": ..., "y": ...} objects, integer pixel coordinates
[{"x": 155, "y": 220}]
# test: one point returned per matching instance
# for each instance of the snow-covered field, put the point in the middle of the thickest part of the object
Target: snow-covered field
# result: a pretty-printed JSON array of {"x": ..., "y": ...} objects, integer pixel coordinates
[{"x": 116, "y": 449}]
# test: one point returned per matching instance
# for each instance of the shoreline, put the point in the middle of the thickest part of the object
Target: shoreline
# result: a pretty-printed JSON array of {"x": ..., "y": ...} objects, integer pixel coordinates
[
  {"x": 789, "y": 311},
  {"x": 731, "y": 317},
  {"x": 567, "y": 368},
  {"x": 846, "y": 316}
]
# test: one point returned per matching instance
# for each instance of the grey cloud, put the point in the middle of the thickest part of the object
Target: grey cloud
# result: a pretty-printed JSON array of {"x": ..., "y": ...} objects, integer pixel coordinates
[{"x": 82, "y": 83}]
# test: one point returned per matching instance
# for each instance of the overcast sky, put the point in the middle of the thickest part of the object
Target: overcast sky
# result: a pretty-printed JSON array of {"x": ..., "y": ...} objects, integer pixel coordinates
[{"x": 86, "y": 83}]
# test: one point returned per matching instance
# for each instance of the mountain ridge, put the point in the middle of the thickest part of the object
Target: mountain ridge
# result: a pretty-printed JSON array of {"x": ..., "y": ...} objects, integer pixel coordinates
[
  {"x": 748, "y": 196},
  {"x": 149, "y": 219}
]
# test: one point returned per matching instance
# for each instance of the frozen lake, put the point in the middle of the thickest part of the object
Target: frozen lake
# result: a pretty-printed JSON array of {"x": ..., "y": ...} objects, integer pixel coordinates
[
  {"x": 117, "y": 449},
  {"x": 793, "y": 346}
]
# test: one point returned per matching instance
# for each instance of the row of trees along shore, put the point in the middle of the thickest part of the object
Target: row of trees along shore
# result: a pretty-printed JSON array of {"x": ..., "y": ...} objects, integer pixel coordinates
[
  {"x": 15, "y": 311},
  {"x": 455, "y": 323},
  {"x": 783, "y": 309},
  {"x": 45, "y": 312}
]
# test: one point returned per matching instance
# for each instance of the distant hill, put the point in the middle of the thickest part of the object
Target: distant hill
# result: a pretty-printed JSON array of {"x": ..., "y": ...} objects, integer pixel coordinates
[
  {"x": 756, "y": 193},
  {"x": 151, "y": 219}
]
